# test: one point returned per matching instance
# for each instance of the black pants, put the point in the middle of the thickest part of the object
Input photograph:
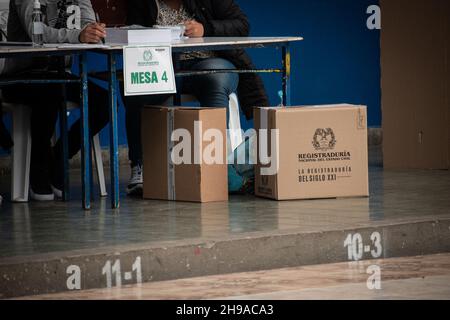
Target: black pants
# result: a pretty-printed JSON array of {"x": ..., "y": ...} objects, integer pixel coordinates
[{"x": 45, "y": 101}]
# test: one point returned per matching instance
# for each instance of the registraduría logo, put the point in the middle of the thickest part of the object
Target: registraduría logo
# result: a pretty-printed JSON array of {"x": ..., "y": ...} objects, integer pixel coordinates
[
  {"x": 324, "y": 143},
  {"x": 324, "y": 139},
  {"x": 148, "y": 56}
]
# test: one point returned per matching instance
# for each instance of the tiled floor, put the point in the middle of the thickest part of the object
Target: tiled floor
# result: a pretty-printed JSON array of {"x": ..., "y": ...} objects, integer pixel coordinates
[
  {"x": 36, "y": 228},
  {"x": 424, "y": 277}
]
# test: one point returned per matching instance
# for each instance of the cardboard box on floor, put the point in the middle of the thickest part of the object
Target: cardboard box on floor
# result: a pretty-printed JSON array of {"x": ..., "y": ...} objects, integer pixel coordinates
[
  {"x": 415, "y": 81},
  {"x": 322, "y": 152},
  {"x": 185, "y": 182}
]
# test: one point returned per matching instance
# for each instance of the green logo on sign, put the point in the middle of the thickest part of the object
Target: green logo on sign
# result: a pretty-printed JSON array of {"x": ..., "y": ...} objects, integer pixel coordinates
[
  {"x": 148, "y": 55},
  {"x": 147, "y": 59}
]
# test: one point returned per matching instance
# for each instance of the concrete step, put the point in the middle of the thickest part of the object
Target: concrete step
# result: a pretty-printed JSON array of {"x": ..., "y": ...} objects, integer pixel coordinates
[
  {"x": 126, "y": 265},
  {"x": 420, "y": 277}
]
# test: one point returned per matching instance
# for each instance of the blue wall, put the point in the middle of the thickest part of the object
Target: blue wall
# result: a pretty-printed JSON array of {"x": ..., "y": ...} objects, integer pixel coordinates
[{"x": 339, "y": 60}]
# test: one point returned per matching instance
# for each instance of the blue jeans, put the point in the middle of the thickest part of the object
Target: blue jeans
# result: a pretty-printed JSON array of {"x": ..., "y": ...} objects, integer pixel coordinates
[{"x": 211, "y": 90}]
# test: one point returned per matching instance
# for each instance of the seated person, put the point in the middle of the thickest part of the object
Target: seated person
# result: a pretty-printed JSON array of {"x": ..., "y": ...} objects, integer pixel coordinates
[
  {"x": 207, "y": 18},
  {"x": 59, "y": 27}
]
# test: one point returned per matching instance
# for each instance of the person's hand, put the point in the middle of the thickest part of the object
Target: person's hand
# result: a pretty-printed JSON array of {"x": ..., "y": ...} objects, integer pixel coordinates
[
  {"x": 194, "y": 29},
  {"x": 93, "y": 33}
]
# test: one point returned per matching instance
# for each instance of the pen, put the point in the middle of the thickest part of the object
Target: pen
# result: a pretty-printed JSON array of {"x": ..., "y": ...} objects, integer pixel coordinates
[{"x": 97, "y": 19}]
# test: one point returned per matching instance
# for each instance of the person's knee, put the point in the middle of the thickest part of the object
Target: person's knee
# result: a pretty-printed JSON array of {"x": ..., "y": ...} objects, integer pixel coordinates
[
  {"x": 232, "y": 82},
  {"x": 215, "y": 63},
  {"x": 225, "y": 82}
]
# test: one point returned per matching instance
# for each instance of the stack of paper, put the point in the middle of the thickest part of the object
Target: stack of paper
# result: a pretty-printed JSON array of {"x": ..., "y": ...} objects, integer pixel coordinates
[
  {"x": 138, "y": 36},
  {"x": 177, "y": 31}
]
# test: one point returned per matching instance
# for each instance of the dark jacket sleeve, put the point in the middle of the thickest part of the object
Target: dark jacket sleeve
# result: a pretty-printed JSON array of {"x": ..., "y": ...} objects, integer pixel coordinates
[
  {"x": 228, "y": 20},
  {"x": 135, "y": 13}
]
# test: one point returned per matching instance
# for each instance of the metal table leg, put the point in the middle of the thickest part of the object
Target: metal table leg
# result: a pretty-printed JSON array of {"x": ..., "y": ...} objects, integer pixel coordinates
[
  {"x": 177, "y": 65},
  {"x": 286, "y": 75},
  {"x": 65, "y": 146},
  {"x": 114, "y": 138},
  {"x": 64, "y": 135},
  {"x": 85, "y": 141}
]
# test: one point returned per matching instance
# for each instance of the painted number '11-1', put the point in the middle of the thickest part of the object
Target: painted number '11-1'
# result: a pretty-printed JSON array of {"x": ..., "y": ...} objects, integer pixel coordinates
[{"x": 115, "y": 270}]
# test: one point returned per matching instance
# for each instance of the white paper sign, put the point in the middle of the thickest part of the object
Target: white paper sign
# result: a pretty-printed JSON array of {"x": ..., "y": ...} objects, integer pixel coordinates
[{"x": 148, "y": 70}]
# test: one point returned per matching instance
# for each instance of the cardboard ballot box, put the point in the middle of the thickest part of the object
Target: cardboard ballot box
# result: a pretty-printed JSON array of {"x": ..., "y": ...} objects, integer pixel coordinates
[
  {"x": 184, "y": 151},
  {"x": 312, "y": 152}
]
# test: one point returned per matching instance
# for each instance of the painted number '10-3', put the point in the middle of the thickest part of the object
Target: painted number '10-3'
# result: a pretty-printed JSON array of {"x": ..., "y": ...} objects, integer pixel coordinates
[{"x": 356, "y": 247}]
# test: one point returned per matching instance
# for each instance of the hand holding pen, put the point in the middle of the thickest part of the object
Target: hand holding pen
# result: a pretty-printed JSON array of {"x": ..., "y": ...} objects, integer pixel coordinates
[
  {"x": 93, "y": 33},
  {"x": 102, "y": 26}
]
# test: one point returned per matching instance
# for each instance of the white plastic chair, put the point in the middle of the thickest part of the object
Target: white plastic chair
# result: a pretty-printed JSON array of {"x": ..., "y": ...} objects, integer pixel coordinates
[{"x": 21, "y": 152}]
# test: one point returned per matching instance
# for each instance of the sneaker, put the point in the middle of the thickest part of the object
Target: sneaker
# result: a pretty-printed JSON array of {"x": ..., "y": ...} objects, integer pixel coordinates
[
  {"x": 135, "y": 185},
  {"x": 41, "y": 192},
  {"x": 42, "y": 195},
  {"x": 57, "y": 192},
  {"x": 57, "y": 180}
]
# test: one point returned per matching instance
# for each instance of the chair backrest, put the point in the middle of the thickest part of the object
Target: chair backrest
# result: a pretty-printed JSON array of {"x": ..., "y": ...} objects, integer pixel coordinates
[
  {"x": 111, "y": 12},
  {"x": 4, "y": 12},
  {"x": 4, "y": 23}
]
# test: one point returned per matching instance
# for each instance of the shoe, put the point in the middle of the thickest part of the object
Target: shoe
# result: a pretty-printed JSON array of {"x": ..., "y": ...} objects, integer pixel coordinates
[
  {"x": 40, "y": 188},
  {"x": 135, "y": 185},
  {"x": 57, "y": 192},
  {"x": 57, "y": 180},
  {"x": 42, "y": 195}
]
